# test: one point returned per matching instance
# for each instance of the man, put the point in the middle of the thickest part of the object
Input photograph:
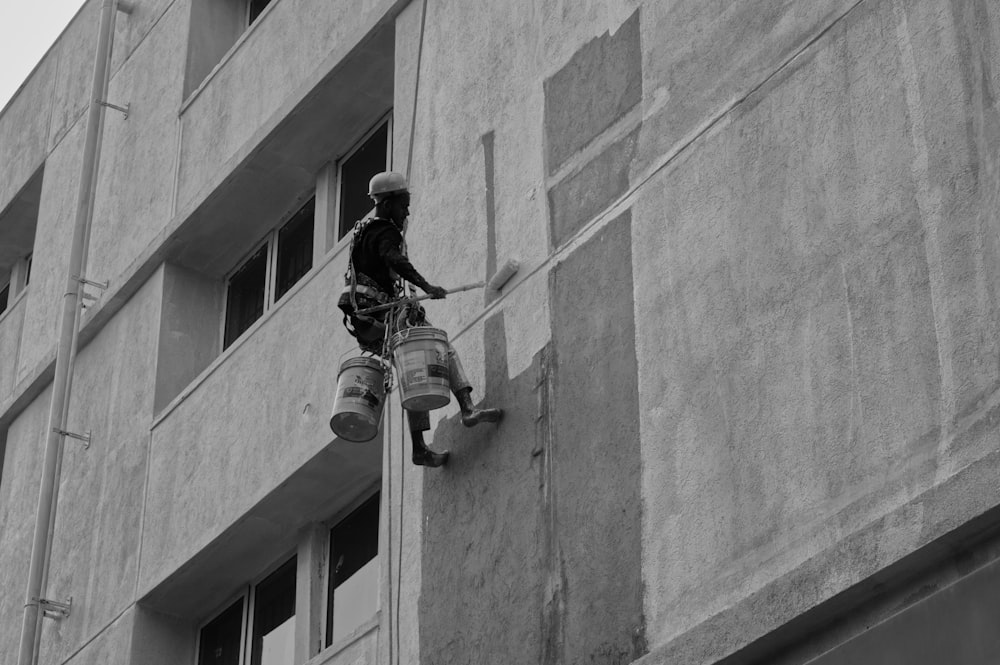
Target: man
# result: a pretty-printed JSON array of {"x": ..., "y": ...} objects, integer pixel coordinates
[{"x": 377, "y": 262}]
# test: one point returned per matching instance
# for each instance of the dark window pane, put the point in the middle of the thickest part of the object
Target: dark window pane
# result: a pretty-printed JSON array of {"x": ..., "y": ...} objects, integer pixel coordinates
[
  {"x": 245, "y": 296},
  {"x": 274, "y": 618},
  {"x": 295, "y": 248},
  {"x": 220, "y": 638},
  {"x": 27, "y": 270},
  {"x": 4, "y": 297},
  {"x": 353, "y": 596},
  {"x": 355, "y": 173},
  {"x": 256, "y": 7}
]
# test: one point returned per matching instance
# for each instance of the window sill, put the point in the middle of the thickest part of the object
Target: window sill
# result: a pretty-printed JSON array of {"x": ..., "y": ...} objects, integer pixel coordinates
[{"x": 327, "y": 655}]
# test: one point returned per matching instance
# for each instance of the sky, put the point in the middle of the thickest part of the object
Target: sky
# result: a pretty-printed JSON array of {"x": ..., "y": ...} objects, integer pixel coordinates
[{"x": 27, "y": 29}]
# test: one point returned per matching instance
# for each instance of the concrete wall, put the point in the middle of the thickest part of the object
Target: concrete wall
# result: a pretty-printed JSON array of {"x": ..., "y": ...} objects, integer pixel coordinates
[
  {"x": 10, "y": 341},
  {"x": 275, "y": 62},
  {"x": 243, "y": 426},
  {"x": 748, "y": 362},
  {"x": 813, "y": 249}
]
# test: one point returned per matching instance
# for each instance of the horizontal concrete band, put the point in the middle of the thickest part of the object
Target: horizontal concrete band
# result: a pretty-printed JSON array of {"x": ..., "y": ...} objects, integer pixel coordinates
[{"x": 960, "y": 513}]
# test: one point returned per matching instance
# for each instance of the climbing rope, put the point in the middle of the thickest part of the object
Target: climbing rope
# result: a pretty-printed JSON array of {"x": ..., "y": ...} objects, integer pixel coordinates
[{"x": 394, "y": 629}]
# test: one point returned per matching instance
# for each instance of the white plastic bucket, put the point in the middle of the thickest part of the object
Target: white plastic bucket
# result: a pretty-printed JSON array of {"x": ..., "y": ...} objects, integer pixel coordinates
[
  {"x": 357, "y": 409},
  {"x": 422, "y": 365}
]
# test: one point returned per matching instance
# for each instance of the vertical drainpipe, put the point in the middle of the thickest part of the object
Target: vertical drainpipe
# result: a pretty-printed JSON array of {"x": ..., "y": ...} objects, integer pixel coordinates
[{"x": 67, "y": 340}]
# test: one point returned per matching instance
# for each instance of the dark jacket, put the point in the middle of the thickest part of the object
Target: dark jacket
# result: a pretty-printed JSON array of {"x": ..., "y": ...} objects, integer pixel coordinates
[{"x": 378, "y": 253}]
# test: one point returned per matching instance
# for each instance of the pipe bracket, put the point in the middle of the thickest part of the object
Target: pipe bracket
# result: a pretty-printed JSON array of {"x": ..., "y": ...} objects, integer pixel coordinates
[
  {"x": 53, "y": 609},
  {"x": 99, "y": 285},
  {"x": 121, "y": 109},
  {"x": 86, "y": 438}
]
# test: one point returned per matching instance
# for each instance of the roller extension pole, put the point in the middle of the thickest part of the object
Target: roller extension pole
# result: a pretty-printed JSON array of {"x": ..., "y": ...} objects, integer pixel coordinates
[
  {"x": 67, "y": 329},
  {"x": 406, "y": 301}
]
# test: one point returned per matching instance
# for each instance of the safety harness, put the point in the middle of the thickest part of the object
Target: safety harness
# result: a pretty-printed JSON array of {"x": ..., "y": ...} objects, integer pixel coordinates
[{"x": 361, "y": 284}]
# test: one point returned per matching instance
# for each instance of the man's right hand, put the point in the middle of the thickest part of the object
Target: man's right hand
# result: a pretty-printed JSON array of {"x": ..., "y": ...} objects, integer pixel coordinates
[{"x": 436, "y": 292}]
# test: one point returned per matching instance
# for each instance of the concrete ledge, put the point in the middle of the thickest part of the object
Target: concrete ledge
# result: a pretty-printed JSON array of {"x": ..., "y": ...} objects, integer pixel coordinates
[
  {"x": 314, "y": 492},
  {"x": 181, "y": 234},
  {"x": 960, "y": 514}
]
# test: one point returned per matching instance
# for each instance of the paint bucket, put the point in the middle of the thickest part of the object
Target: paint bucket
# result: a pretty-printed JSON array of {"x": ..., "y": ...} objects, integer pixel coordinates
[
  {"x": 357, "y": 409},
  {"x": 421, "y": 357}
]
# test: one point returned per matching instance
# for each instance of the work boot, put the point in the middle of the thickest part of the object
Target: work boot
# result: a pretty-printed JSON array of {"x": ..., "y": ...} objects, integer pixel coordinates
[
  {"x": 471, "y": 416},
  {"x": 424, "y": 456}
]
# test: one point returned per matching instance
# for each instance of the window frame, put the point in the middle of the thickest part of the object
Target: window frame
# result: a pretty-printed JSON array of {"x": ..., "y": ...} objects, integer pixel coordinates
[
  {"x": 251, "y": 591},
  {"x": 270, "y": 241},
  {"x": 329, "y": 525},
  {"x": 265, "y": 242},
  {"x": 7, "y": 299},
  {"x": 248, "y": 10},
  {"x": 243, "y": 595},
  {"x": 16, "y": 282},
  {"x": 248, "y": 593},
  {"x": 385, "y": 119}
]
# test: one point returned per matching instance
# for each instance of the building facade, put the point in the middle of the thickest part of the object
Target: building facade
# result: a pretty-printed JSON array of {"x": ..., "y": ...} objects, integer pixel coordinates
[{"x": 750, "y": 362}]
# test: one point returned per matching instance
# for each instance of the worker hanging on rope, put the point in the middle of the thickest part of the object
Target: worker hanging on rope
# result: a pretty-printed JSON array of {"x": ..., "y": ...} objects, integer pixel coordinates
[{"x": 377, "y": 266}]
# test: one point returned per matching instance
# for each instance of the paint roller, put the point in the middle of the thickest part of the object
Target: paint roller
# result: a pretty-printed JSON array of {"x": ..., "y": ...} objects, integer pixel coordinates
[
  {"x": 499, "y": 278},
  {"x": 502, "y": 276}
]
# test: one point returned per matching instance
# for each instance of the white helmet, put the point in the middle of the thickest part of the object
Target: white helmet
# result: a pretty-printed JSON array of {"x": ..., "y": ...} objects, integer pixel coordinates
[{"x": 386, "y": 183}]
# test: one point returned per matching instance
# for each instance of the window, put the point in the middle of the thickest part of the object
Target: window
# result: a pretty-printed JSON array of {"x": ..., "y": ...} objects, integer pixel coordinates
[
  {"x": 18, "y": 222},
  {"x": 214, "y": 27},
  {"x": 254, "y": 8},
  {"x": 273, "y": 640},
  {"x": 221, "y": 638},
  {"x": 14, "y": 280},
  {"x": 354, "y": 571},
  {"x": 370, "y": 156},
  {"x": 272, "y": 268},
  {"x": 270, "y": 623}
]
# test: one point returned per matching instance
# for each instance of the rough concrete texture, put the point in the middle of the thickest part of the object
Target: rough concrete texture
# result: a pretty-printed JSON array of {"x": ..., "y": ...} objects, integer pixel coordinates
[
  {"x": 245, "y": 426},
  {"x": 73, "y": 55},
  {"x": 595, "y": 464},
  {"x": 158, "y": 639},
  {"x": 134, "y": 197},
  {"x": 552, "y": 575},
  {"x": 449, "y": 202},
  {"x": 24, "y": 133},
  {"x": 701, "y": 58},
  {"x": 95, "y": 555},
  {"x": 56, "y": 213},
  {"x": 483, "y": 550},
  {"x": 10, "y": 341},
  {"x": 18, "y": 499},
  {"x": 811, "y": 245},
  {"x": 954, "y": 625},
  {"x": 132, "y": 29},
  {"x": 271, "y": 66},
  {"x": 110, "y": 646},
  {"x": 816, "y": 327},
  {"x": 581, "y": 196},
  {"x": 189, "y": 331},
  {"x": 600, "y": 84}
]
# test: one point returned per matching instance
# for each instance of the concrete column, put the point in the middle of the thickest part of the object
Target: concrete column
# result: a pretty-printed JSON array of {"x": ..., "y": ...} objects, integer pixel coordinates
[
  {"x": 325, "y": 226},
  {"x": 310, "y": 592}
]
